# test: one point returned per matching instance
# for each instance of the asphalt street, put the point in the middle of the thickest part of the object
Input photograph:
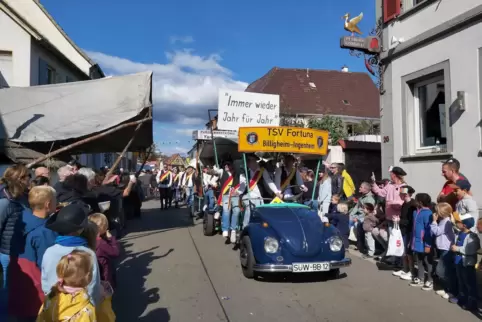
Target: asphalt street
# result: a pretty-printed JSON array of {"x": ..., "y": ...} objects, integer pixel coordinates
[{"x": 171, "y": 272}]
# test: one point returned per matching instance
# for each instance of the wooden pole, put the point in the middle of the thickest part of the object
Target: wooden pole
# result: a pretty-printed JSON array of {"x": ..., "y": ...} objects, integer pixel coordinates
[
  {"x": 116, "y": 163},
  {"x": 148, "y": 155},
  {"x": 87, "y": 140}
]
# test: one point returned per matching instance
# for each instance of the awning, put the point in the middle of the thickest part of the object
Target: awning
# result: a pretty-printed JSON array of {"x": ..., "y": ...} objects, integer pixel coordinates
[{"x": 48, "y": 117}]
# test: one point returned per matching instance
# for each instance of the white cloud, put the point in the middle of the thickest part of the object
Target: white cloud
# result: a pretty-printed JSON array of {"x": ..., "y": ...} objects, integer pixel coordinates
[
  {"x": 181, "y": 39},
  {"x": 184, "y": 88},
  {"x": 187, "y": 132}
]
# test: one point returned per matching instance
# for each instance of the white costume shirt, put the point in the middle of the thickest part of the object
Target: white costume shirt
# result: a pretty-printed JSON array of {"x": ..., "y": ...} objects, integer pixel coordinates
[
  {"x": 255, "y": 193},
  {"x": 187, "y": 179},
  {"x": 158, "y": 177}
]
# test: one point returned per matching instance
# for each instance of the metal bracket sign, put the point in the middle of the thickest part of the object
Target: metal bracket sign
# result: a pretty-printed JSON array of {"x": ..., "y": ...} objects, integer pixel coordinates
[{"x": 369, "y": 45}]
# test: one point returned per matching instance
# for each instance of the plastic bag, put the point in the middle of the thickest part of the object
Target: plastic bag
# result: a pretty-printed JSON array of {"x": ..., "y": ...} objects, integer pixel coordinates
[{"x": 395, "y": 242}]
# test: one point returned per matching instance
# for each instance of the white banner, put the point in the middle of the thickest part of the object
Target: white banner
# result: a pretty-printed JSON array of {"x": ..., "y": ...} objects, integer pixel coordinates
[
  {"x": 206, "y": 134},
  {"x": 238, "y": 109}
]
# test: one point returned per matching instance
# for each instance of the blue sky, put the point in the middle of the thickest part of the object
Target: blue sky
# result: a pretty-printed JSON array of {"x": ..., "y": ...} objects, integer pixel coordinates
[{"x": 196, "y": 47}]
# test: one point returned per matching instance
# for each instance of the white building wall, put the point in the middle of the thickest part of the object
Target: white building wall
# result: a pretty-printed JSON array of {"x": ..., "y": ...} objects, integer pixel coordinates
[
  {"x": 61, "y": 70},
  {"x": 31, "y": 11},
  {"x": 432, "y": 16},
  {"x": 13, "y": 38},
  {"x": 462, "y": 51}
]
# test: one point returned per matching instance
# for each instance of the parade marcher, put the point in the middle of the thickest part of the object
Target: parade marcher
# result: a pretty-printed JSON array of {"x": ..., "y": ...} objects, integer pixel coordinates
[
  {"x": 210, "y": 180},
  {"x": 260, "y": 186},
  {"x": 175, "y": 195},
  {"x": 187, "y": 183},
  {"x": 164, "y": 181},
  {"x": 287, "y": 175},
  {"x": 229, "y": 198}
]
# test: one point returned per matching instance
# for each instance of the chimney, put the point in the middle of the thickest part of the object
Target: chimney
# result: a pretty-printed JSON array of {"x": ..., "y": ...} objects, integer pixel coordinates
[{"x": 344, "y": 69}]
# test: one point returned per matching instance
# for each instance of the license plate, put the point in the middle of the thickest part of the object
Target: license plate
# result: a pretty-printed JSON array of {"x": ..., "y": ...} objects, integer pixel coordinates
[{"x": 310, "y": 267}]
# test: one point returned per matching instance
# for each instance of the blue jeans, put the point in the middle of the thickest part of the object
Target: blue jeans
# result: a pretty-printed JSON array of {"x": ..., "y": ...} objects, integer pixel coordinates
[
  {"x": 209, "y": 199},
  {"x": 467, "y": 283},
  {"x": 247, "y": 207},
  {"x": 189, "y": 196},
  {"x": 313, "y": 204},
  {"x": 445, "y": 270},
  {"x": 230, "y": 216},
  {"x": 4, "y": 262}
]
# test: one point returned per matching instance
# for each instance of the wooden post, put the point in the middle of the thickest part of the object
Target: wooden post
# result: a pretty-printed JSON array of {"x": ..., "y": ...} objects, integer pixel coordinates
[
  {"x": 119, "y": 158},
  {"x": 87, "y": 140}
]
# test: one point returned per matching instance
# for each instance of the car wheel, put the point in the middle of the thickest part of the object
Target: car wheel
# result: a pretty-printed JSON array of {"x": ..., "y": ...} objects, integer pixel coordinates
[
  {"x": 246, "y": 257},
  {"x": 208, "y": 224},
  {"x": 334, "y": 274}
]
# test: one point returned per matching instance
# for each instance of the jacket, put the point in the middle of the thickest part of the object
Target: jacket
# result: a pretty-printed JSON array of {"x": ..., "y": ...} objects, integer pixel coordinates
[
  {"x": 324, "y": 195},
  {"x": 107, "y": 249},
  {"x": 24, "y": 270},
  {"x": 467, "y": 205},
  {"x": 357, "y": 211},
  {"x": 337, "y": 185},
  {"x": 469, "y": 249},
  {"x": 421, "y": 232},
  {"x": 341, "y": 222},
  {"x": 11, "y": 230},
  {"x": 67, "y": 307},
  {"x": 49, "y": 270},
  {"x": 348, "y": 185},
  {"x": 406, "y": 217},
  {"x": 393, "y": 202},
  {"x": 370, "y": 222}
]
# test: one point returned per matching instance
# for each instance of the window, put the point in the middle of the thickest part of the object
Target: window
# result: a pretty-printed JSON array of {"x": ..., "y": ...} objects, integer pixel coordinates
[
  {"x": 46, "y": 74},
  {"x": 409, "y": 4},
  {"x": 429, "y": 115}
]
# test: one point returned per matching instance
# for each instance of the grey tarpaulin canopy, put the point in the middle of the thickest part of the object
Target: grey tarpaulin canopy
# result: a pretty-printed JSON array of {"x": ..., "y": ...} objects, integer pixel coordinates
[
  {"x": 61, "y": 114},
  {"x": 224, "y": 147}
]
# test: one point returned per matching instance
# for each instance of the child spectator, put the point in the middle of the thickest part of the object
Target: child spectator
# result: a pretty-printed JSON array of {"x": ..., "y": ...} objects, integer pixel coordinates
[
  {"x": 422, "y": 242},
  {"x": 335, "y": 199},
  {"x": 465, "y": 249},
  {"x": 406, "y": 224},
  {"x": 107, "y": 249},
  {"x": 24, "y": 271},
  {"x": 68, "y": 299},
  {"x": 369, "y": 223},
  {"x": 341, "y": 220},
  {"x": 444, "y": 238},
  {"x": 70, "y": 223},
  {"x": 466, "y": 205}
]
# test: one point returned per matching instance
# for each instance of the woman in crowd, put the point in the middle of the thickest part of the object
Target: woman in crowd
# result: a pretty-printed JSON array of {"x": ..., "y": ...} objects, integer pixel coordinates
[
  {"x": 13, "y": 200},
  {"x": 325, "y": 192}
]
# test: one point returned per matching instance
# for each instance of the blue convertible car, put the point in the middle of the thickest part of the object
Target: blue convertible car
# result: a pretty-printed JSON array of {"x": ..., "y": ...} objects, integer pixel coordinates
[{"x": 290, "y": 238}]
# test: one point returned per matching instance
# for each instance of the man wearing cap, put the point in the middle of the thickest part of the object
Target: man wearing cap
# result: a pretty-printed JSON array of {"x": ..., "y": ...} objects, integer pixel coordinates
[
  {"x": 466, "y": 205},
  {"x": 69, "y": 223},
  {"x": 451, "y": 173},
  {"x": 164, "y": 181},
  {"x": 287, "y": 175},
  {"x": 260, "y": 187}
]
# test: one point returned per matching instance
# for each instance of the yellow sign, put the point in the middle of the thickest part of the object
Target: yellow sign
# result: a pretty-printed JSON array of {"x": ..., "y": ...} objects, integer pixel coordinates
[
  {"x": 283, "y": 139},
  {"x": 277, "y": 200}
]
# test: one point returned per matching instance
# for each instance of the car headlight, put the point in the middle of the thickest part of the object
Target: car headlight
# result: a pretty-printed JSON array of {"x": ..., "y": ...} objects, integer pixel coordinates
[
  {"x": 271, "y": 245},
  {"x": 335, "y": 243}
]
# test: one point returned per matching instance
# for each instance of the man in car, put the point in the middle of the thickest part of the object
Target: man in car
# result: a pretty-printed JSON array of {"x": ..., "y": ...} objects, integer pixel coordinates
[
  {"x": 261, "y": 187},
  {"x": 287, "y": 175}
]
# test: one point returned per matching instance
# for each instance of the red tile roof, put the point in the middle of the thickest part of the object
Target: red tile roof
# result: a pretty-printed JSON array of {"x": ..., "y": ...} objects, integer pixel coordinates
[{"x": 335, "y": 92}]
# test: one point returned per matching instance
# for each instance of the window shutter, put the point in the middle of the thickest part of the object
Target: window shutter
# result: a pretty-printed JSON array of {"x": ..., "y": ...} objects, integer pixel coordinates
[
  {"x": 43, "y": 77},
  {"x": 391, "y": 9}
]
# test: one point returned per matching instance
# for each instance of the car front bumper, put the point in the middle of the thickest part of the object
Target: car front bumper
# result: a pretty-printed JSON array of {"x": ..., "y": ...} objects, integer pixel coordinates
[{"x": 277, "y": 268}]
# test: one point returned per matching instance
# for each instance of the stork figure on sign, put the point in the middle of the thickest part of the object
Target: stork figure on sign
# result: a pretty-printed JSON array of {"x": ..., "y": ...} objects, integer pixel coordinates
[{"x": 351, "y": 24}]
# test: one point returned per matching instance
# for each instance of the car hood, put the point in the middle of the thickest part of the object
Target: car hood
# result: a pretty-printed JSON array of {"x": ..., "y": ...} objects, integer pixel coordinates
[{"x": 300, "y": 231}]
